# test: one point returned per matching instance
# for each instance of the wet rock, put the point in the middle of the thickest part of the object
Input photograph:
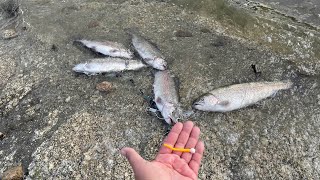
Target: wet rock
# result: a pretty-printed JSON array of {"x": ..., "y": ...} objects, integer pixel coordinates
[
  {"x": 183, "y": 33},
  {"x": 9, "y": 34},
  {"x": 104, "y": 86},
  {"x": 14, "y": 173}
]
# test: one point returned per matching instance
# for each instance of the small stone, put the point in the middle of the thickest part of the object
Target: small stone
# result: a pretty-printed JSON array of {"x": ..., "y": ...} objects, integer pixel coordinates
[
  {"x": 54, "y": 47},
  {"x": 269, "y": 39},
  {"x": 67, "y": 99},
  {"x": 104, "y": 86},
  {"x": 14, "y": 173},
  {"x": 9, "y": 34},
  {"x": 2, "y": 136},
  {"x": 183, "y": 33}
]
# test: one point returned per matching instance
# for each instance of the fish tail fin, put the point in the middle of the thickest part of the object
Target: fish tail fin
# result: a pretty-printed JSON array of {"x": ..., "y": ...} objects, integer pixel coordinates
[{"x": 81, "y": 41}]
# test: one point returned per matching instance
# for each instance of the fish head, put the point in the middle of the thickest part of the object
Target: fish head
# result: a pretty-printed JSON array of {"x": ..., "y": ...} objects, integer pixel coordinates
[
  {"x": 80, "y": 68},
  {"x": 171, "y": 114},
  {"x": 176, "y": 115},
  {"x": 159, "y": 63},
  {"x": 206, "y": 102},
  {"x": 126, "y": 53},
  {"x": 85, "y": 68}
]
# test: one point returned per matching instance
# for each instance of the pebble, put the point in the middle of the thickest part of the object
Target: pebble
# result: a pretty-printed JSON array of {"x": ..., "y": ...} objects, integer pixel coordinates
[
  {"x": 68, "y": 99},
  {"x": 104, "y": 86},
  {"x": 9, "y": 34},
  {"x": 14, "y": 173}
]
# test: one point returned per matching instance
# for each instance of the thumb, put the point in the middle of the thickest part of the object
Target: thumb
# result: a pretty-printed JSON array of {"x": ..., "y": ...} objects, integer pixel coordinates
[{"x": 133, "y": 157}]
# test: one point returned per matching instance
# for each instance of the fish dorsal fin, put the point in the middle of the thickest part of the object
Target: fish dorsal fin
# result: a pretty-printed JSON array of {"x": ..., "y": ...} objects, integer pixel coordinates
[{"x": 223, "y": 103}]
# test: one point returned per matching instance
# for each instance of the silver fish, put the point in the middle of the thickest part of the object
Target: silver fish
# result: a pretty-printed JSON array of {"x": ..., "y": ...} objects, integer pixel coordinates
[
  {"x": 105, "y": 65},
  {"x": 149, "y": 53},
  {"x": 238, "y": 96},
  {"x": 166, "y": 96},
  {"x": 113, "y": 49}
]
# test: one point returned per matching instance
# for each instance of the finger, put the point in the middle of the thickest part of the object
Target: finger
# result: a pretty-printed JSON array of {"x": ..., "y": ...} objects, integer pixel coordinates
[
  {"x": 194, "y": 164},
  {"x": 172, "y": 137},
  {"x": 133, "y": 157},
  {"x": 192, "y": 142},
  {"x": 183, "y": 137}
]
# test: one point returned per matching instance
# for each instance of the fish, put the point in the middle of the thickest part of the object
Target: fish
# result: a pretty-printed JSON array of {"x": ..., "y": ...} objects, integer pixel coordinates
[
  {"x": 148, "y": 52},
  {"x": 166, "y": 96},
  {"x": 108, "y": 48},
  {"x": 238, "y": 96},
  {"x": 107, "y": 65}
]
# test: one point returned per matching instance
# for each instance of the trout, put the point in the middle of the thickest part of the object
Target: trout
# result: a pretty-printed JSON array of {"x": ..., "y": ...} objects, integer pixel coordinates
[
  {"x": 238, "y": 96},
  {"x": 149, "y": 53},
  {"x": 106, "y": 65},
  {"x": 166, "y": 97},
  {"x": 108, "y": 48}
]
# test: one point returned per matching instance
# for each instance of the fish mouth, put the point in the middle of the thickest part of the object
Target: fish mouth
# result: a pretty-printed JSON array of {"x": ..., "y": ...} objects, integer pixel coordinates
[
  {"x": 173, "y": 121},
  {"x": 194, "y": 105},
  {"x": 195, "y": 102},
  {"x": 164, "y": 67}
]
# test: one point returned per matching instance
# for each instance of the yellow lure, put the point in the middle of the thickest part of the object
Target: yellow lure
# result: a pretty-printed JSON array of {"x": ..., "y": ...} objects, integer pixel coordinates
[{"x": 191, "y": 150}]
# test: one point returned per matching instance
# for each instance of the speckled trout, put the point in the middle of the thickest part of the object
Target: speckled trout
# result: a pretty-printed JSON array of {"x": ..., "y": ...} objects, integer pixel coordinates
[
  {"x": 149, "y": 53},
  {"x": 106, "y": 65},
  {"x": 113, "y": 49},
  {"x": 238, "y": 96},
  {"x": 166, "y": 96}
]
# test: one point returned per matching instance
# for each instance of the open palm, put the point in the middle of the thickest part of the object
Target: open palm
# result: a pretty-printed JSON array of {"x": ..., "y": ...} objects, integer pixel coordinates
[{"x": 170, "y": 164}]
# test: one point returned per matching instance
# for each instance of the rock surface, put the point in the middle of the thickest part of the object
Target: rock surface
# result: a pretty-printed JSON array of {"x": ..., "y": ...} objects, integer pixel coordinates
[{"x": 60, "y": 127}]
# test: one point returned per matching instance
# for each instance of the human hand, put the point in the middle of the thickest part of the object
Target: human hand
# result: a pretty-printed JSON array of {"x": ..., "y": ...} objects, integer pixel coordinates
[{"x": 170, "y": 164}]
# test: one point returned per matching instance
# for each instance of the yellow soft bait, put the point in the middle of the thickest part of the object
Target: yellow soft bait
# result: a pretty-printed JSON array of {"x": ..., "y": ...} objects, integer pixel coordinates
[{"x": 191, "y": 150}]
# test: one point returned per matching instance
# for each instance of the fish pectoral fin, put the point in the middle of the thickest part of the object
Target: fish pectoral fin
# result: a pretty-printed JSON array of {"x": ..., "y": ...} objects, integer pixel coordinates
[
  {"x": 223, "y": 103},
  {"x": 274, "y": 93}
]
